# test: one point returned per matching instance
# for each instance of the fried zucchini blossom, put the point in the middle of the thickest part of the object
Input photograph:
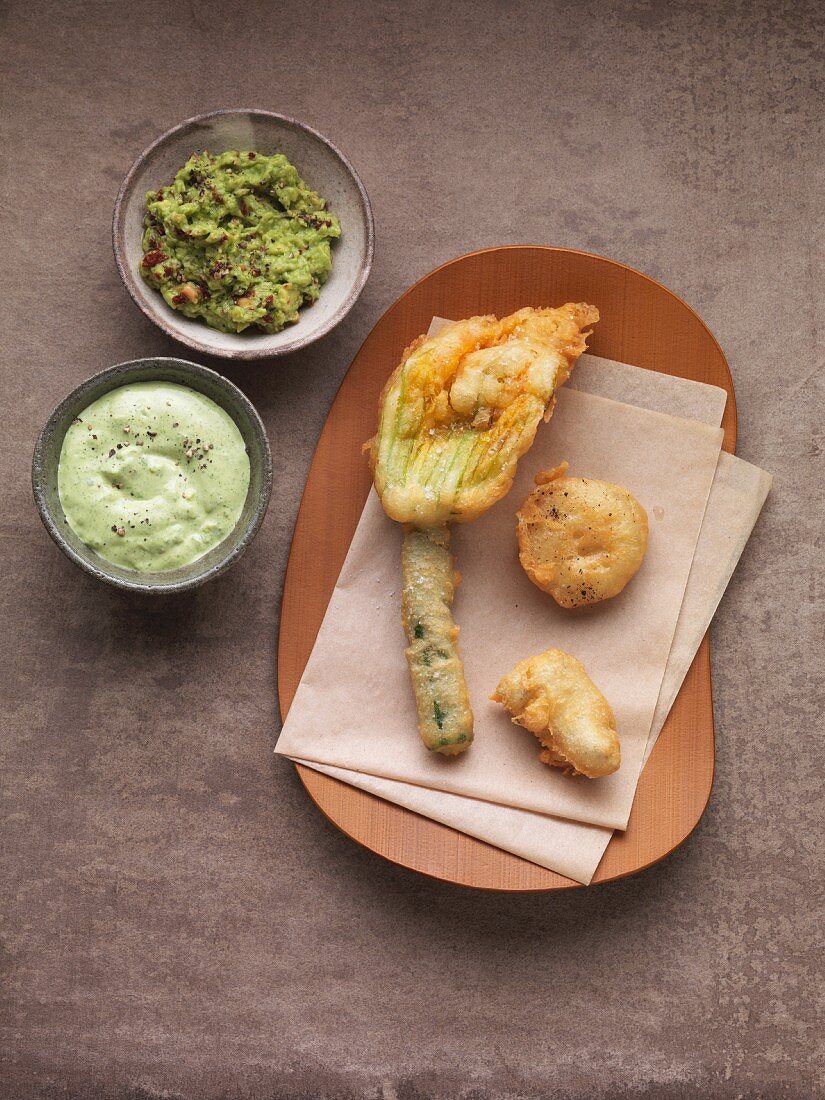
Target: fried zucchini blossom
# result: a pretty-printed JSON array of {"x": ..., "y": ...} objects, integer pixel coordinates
[{"x": 455, "y": 417}]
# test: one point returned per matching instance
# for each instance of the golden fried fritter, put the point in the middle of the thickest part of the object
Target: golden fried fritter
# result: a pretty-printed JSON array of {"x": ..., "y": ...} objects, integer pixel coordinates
[
  {"x": 580, "y": 539},
  {"x": 455, "y": 417},
  {"x": 552, "y": 696}
]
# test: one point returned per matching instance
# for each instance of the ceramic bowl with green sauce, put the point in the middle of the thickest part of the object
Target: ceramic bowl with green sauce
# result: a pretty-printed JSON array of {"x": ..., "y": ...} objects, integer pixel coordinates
[
  {"x": 154, "y": 475},
  {"x": 151, "y": 259}
]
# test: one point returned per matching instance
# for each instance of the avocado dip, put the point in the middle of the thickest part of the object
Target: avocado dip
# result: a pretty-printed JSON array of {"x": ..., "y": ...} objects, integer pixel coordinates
[
  {"x": 239, "y": 240},
  {"x": 153, "y": 475}
]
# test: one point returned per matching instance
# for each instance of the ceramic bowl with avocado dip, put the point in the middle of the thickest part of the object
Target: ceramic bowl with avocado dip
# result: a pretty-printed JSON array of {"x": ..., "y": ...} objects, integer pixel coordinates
[
  {"x": 154, "y": 475},
  {"x": 243, "y": 233}
]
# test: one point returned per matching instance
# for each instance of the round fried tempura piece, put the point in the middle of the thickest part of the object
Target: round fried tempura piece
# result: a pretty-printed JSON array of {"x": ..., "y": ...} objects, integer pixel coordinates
[
  {"x": 580, "y": 539},
  {"x": 552, "y": 696}
]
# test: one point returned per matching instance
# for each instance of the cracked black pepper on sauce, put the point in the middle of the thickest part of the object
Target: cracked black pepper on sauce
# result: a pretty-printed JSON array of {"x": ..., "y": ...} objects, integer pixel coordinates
[{"x": 153, "y": 475}]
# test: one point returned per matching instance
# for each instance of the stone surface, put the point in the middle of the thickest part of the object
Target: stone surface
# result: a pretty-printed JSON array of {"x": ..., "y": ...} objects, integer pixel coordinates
[{"x": 179, "y": 920}]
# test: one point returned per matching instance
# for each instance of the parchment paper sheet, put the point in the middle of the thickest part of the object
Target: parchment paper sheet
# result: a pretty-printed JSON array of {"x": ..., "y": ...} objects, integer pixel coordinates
[
  {"x": 736, "y": 498},
  {"x": 354, "y": 707},
  {"x": 569, "y": 847},
  {"x": 573, "y": 848},
  {"x": 662, "y": 393}
]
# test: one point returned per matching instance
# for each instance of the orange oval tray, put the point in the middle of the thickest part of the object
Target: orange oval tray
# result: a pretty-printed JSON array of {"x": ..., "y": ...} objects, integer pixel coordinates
[{"x": 642, "y": 323}]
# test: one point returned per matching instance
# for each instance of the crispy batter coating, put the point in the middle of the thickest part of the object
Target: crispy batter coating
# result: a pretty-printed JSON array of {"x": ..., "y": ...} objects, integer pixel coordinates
[
  {"x": 445, "y": 720},
  {"x": 463, "y": 406},
  {"x": 552, "y": 696},
  {"x": 455, "y": 417},
  {"x": 580, "y": 539}
]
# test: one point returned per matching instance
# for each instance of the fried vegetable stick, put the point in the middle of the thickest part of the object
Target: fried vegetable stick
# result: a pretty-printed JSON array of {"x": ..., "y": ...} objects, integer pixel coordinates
[
  {"x": 455, "y": 417},
  {"x": 445, "y": 719}
]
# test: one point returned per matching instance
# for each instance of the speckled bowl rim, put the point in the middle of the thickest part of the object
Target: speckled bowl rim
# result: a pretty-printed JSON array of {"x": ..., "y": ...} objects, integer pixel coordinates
[
  {"x": 168, "y": 326},
  {"x": 120, "y": 373}
]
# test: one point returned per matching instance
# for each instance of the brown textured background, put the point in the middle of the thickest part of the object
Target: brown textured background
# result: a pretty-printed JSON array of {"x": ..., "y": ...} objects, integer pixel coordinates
[{"x": 179, "y": 921}]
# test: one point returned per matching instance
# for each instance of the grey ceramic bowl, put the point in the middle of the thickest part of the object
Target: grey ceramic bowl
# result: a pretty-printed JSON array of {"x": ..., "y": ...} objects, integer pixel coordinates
[
  {"x": 323, "y": 167},
  {"x": 223, "y": 393}
]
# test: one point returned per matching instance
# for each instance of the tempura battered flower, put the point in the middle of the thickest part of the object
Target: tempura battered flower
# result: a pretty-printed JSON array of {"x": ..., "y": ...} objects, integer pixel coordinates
[
  {"x": 456, "y": 415},
  {"x": 580, "y": 540},
  {"x": 552, "y": 696},
  {"x": 464, "y": 405}
]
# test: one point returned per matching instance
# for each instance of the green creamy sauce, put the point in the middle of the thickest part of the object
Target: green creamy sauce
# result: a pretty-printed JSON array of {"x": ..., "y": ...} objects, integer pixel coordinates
[
  {"x": 153, "y": 475},
  {"x": 239, "y": 240}
]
